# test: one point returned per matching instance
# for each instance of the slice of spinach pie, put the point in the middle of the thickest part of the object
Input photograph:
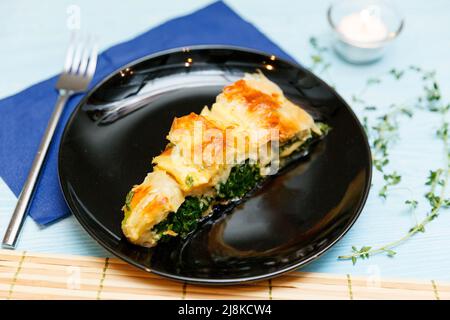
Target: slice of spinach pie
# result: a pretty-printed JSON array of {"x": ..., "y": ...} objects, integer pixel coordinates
[{"x": 216, "y": 156}]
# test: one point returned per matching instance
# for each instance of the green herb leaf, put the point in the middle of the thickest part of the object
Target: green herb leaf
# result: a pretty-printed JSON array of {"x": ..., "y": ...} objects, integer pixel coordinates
[
  {"x": 412, "y": 203},
  {"x": 189, "y": 181},
  {"x": 391, "y": 253},
  {"x": 397, "y": 74},
  {"x": 128, "y": 199}
]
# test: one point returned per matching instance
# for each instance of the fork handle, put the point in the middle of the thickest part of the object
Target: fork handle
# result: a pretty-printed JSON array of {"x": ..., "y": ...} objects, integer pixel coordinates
[{"x": 25, "y": 197}]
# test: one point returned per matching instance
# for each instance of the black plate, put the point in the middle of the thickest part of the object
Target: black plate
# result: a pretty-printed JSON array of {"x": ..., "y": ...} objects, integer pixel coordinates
[{"x": 121, "y": 124}]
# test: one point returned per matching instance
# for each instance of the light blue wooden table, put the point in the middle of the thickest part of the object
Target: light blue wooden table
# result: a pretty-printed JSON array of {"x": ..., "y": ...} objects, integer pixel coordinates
[{"x": 34, "y": 37}]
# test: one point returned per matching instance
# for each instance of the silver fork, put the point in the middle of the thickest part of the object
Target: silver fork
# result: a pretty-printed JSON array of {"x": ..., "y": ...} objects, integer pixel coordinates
[{"x": 79, "y": 68}]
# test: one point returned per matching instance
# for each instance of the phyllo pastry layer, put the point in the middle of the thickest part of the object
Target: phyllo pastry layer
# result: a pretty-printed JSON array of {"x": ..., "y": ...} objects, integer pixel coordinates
[{"x": 216, "y": 156}]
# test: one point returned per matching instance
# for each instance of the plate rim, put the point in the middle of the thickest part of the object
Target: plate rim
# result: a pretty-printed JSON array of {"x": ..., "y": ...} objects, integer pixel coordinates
[{"x": 209, "y": 281}]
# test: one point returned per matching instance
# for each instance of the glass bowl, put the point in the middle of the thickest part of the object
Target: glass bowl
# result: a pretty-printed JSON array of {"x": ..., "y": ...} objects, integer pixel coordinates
[{"x": 363, "y": 29}]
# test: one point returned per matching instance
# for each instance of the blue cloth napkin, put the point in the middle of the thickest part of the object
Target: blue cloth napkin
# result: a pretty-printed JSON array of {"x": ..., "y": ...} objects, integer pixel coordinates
[{"x": 24, "y": 116}]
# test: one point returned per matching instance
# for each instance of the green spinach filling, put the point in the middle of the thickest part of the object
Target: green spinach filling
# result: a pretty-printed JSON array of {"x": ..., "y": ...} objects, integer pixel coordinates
[
  {"x": 185, "y": 219},
  {"x": 324, "y": 129},
  {"x": 243, "y": 178}
]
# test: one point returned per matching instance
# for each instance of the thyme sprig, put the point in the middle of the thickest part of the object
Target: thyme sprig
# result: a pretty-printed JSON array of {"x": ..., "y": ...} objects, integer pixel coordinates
[
  {"x": 383, "y": 133},
  {"x": 437, "y": 179},
  {"x": 319, "y": 62},
  {"x": 436, "y": 203}
]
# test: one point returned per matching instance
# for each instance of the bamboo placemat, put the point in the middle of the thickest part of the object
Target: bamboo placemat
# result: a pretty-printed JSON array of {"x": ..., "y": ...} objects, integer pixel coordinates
[{"x": 26, "y": 275}]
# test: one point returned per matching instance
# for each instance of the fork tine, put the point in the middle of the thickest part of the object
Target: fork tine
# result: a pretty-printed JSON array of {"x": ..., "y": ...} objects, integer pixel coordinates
[
  {"x": 92, "y": 60},
  {"x": 77, "y": 57},
  {"x": 69, "y": 54},
  {"x": 85, "y": 57},
  {"x": 80, "y": 64}
]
